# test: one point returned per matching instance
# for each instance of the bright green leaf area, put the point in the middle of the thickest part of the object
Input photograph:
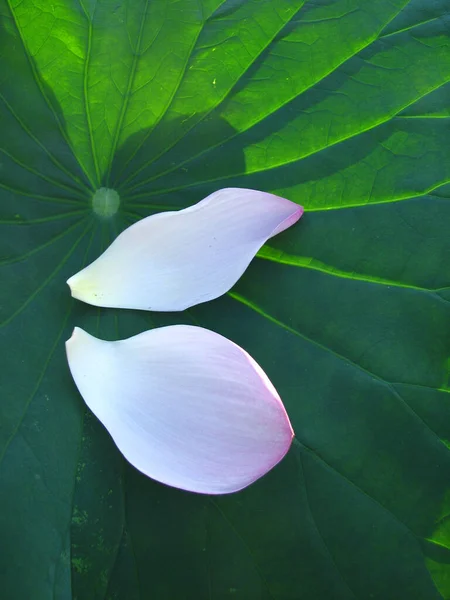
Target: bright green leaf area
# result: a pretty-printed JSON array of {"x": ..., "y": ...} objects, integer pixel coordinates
[{"x": 111, "y": 111}]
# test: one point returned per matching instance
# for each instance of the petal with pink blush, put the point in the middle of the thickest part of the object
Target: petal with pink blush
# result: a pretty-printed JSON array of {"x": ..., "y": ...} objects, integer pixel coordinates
[
  {"x": 184, "y": 405},
  {"x": 173, "y": 260}
]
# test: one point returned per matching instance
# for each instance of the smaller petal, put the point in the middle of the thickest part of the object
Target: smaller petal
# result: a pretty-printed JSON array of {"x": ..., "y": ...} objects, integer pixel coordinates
[
  {"x": 174, "y": 260},
  {"x": 184, "y": 405}
]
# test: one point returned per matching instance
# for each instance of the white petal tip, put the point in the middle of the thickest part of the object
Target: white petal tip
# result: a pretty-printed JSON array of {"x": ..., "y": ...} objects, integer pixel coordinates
[
  {"x": 84, "y": 287},
  {"x": 77, "y": 343},
  {"x": 72, "y": 283},
  {"x": 75, "y": 334}
]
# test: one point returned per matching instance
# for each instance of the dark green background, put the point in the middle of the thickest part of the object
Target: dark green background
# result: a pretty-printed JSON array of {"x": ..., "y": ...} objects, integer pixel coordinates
[{"x": 340, "y": 105}]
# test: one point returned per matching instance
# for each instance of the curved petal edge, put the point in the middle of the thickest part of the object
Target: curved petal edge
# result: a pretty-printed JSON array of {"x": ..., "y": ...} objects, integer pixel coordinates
[
  {"x": 173, "y": 260},
  {"x": 184, "y": 405}
]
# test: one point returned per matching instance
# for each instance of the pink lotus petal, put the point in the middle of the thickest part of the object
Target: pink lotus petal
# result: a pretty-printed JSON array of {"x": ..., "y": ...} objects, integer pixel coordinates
[
  {"x": 184, "y": 405},
  {"x": 174, "y": 260}
]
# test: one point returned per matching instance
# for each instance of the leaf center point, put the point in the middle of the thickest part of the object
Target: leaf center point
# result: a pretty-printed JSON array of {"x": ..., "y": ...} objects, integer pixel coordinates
[{"x": 105, "y": 202}]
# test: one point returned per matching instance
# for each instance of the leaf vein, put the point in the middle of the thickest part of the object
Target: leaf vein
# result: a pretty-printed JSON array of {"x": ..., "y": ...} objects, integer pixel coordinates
[
  {"x": 279, "y": 165},
  {"x": 44, "y": 95},
  {"x": 33, "y": 196},
  {"x": 315, "y": 265},
  {"x": 204, "y": 116},
  {"x": 162, "y": 115},
  {"x": 54, "y": 160},
  {"x": 36, "y": 249},
  {"x": 36, "y": 387},
  {"x": 372, "y": 39},
  {"x": 39, "y": 174},
  {"x": 302, "y": 446},
  {"x": 370, "y": 374},
  {"x": 86, "y": 94},
  {"x": 131, "y": 79},
  {"x": 317, "y": 530},
  {"x": 23, "y": 306},
  {"x": 244, "y": 543}
]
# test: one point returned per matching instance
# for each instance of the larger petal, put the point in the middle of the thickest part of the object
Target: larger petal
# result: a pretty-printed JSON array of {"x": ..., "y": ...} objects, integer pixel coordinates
[
  {"x": 174, "y": 260},
  {"x": 184, "y": 405}
]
